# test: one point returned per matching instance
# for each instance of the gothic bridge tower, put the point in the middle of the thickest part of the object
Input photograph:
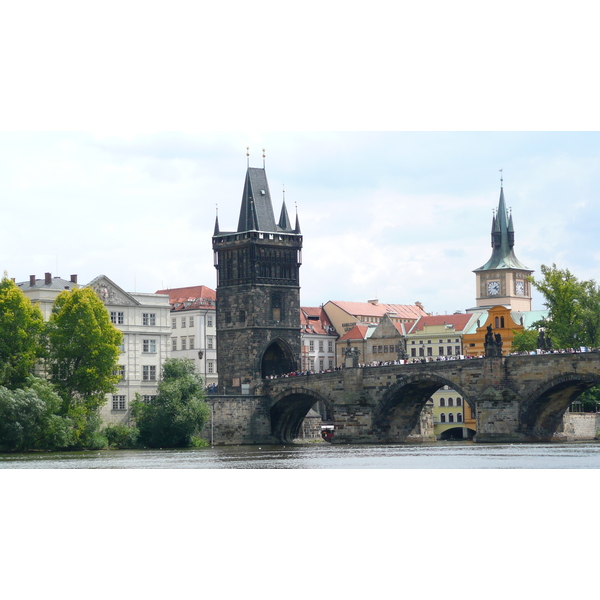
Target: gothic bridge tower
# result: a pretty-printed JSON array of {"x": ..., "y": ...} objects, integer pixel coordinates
[
  {"x": 503, "y": 279},
  {"x": 258, "y": 290}
]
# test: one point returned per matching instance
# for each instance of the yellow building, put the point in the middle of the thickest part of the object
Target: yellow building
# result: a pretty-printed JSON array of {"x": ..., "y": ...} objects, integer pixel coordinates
[{"x": 452, "y": 416}]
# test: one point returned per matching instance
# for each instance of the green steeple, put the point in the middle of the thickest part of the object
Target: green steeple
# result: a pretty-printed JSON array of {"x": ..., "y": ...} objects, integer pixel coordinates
[{"x": 503, "y": 241}]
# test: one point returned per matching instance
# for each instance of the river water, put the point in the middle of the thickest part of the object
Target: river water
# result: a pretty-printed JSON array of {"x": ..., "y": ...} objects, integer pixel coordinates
[{"x": 439, "y": 455}]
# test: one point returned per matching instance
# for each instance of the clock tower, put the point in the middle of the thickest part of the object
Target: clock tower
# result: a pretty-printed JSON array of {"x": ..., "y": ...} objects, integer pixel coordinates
[{"x": 503, "y": 279}]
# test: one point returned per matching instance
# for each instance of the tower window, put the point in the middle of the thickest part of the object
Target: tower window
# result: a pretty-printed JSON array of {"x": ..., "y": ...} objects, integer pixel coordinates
[{"x": 277, "y": 307}]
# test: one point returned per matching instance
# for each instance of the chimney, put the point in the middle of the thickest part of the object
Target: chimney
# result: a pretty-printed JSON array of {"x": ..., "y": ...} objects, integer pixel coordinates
[
  {"x": 31, "y": 280},
  {"x": 73, "y": 278},
  {"x": 48, "y": 279}
]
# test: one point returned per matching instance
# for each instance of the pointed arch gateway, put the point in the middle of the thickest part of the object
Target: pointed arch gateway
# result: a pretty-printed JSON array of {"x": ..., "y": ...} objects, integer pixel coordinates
[{"x": 277, "y": 359}]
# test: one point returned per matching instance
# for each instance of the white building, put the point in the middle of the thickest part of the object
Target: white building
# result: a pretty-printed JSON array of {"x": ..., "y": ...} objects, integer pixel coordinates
[
  {"x": 318, "y": 340},
  {"x": 194, "y": 328},
  {"x": 145, "y": 323}
]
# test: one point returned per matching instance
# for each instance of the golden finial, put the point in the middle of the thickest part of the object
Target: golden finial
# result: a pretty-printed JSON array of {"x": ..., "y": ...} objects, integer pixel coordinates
[
  {"x": 248, "y": 155},
  {"x": 263, "y": 157}
]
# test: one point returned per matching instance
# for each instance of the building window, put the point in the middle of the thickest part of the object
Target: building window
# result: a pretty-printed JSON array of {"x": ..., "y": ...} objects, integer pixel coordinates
[
  {"x": 184, "y": 343},
  {"x": 118, "y": 318},
  {"x": 331, "y": 363},
  {"x": 122, "y": 347},
  {"x": 311, "y": 345},
  {"x": 149, "y": 373},
  {"x": 458, "y": 402},
  {"x": 449, "y": 350},
  {"x": 148, "y": 319},
  {"x": 209, "y": 342},
  {"x": 374, "y": 349},
  {"x": 191, "y": 341},
  {"x": 242, "y": 316},
  {"x": 441, "y": 350},
  {"x": 442, "y": 418},
  {"x": 118, "y": 402},
  {"x": 413, "y": 352},
  {"x": 450, "y": 402},
  {"x": 147, "y": 398},
  {"x": 459, "y": 418},
  {"x": 457, "y": 350},
  {"x": 210, "y": 366},
  {"x": 442, "y": 402},
  {"x": 149, "y": 346},
  {"x": 173, "y": 343},
  {"x": 321, "y": 364},
  {"x": 385, "y": 349},
  {"x": 320, "y": 345},
  {"x": 209, "y": 321},
  {"x": 329, "y": 346},
  {"x": 173, "y": 323},
  {"x": 182, "y": 322},
  {"x": 451, "y": 418},
  {"x": 421, "y": 351},
  {"x": 120, "y": 372},
  {"x": 191, "y": 321},
  {"x": 429, "y": 351}
]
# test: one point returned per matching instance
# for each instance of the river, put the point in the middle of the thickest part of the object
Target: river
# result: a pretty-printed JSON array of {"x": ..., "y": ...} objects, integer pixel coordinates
[{"x": 439, "y": 455}]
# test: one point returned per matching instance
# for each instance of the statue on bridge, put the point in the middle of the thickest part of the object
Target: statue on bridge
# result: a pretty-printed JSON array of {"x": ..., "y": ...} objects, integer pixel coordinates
[
  {"x": 544, "y": 342},
  {"x": 493, "y": 343},
  {"x": 351, "y": 356},
  {"x": 402, "y": 351}
]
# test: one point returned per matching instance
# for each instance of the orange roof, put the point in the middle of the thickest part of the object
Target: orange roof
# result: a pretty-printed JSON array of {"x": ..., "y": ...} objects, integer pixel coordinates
[
  {"x": 358, "y": 332},
  {"x": 189, "y": 298},
  {"x": 458, "y": 321},
  {"x": 188, "y": 294},
  {"x": 316, "y": 318},
  {"x": 367, "y": 309}
]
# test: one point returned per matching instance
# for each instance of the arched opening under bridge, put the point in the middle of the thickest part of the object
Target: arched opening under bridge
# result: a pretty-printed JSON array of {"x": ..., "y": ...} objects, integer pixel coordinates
[
  {"x": 543, "y": 410},
  {"x": 291, "y": 411},
  {"x": 412, "y": 406}
]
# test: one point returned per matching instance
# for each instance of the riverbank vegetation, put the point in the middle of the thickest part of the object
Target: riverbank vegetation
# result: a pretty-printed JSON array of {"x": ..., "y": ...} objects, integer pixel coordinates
[{"x": 55, "y": 375}]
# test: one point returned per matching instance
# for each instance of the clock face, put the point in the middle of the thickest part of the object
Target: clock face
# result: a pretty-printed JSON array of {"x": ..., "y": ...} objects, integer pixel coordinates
[
  {"x": 520, "y": 288},
  {"x": 493, "y": 288}
]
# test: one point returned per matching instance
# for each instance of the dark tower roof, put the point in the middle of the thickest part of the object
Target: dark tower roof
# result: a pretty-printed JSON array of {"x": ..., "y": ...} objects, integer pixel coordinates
[
  {"x": 503, "y": 240},
  {"x": 284, "y": 219},
  {"x": 256, "y": 213}
]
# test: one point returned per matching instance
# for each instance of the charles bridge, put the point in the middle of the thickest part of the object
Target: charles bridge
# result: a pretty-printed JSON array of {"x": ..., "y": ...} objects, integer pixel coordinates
[{"x": 514, "y": 399}]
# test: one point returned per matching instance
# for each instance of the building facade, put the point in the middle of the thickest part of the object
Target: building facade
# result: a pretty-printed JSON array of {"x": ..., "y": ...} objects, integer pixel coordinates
[
  {"x": 144, "y": 321},
  {"x": 194, "y": 328},
  {"x": 318, "y": 340}
]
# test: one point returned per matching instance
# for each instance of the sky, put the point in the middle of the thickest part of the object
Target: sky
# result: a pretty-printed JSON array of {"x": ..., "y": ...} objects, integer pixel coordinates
[{"x": 397, "y": 216}]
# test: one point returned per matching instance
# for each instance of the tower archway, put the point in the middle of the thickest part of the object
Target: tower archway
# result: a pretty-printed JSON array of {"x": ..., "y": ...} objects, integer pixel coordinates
[{"x": 277, "y": 359}]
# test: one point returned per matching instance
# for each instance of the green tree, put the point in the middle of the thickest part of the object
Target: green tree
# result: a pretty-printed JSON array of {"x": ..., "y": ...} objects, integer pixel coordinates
[
  {"x": 83, "y": 350},
  {"x": 29, "y": 419},
  {"x": 573, "y": 306},
  {"x": 175, "y": 417},
  {"x": 524, "y": 340},
  {"x": 21, "y": 325}
]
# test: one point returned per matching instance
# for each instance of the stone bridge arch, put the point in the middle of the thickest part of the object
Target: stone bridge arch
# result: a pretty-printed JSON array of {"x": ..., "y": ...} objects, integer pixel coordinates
[
  {"x": 277, "y": 359},
  {"x": 290, "y": 406},
  {"x": 542, "y": 409},
  {"x": 398, "y": 412}
]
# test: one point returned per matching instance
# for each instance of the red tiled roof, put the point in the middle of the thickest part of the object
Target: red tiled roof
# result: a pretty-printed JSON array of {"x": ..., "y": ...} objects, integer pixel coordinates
[
  {"x": 320, "y": 325},
  {"x": 458, "y": 321},
  {"x": 358, "y": 332},
  {"x": 366, "y": 309},
  {"x": 187, "y": 298}
]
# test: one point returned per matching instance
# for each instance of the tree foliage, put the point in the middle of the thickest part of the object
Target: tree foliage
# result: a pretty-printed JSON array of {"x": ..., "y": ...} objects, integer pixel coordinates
[
  {"x": 525, "y": 340},
  {"x": 178, "y": 412},
  {"x": 21, "y": 326},
  {"x": 29, "y": 419},
  {"x": 83, "y": 350},
  {"x": 573, "y": 306}
]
